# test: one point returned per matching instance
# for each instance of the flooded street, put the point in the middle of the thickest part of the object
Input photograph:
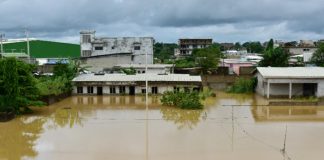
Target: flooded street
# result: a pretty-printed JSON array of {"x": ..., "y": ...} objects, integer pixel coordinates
[{"x": 231, "y": 127}]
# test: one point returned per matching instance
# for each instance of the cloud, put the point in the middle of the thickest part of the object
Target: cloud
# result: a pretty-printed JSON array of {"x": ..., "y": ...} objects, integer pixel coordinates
[{"x": 166, "y": 20}]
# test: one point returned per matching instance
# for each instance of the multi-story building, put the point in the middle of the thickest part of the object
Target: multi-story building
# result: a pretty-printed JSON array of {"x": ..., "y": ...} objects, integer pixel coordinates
[
  {"x": 187, "y": 45},
  {"x": 106, "y": 52}
]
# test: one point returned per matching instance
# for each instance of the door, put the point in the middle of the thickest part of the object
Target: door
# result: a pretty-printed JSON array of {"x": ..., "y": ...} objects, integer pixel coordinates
[
  {"x": 99, "y": 91},
  {"x": 132, "y": 90}
]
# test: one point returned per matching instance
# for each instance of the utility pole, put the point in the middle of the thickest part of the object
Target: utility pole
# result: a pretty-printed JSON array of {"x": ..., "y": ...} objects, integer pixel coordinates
[
  {"x": 1, "y": 38},
  {"x": 27, "y": 40}
]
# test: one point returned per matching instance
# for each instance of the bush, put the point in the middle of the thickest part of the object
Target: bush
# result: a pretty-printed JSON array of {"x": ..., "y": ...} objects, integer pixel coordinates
[
  {"x": 242, "y": 85},
  {"x": 182, "y": 100},
  {"x": 52, "y": 86}
]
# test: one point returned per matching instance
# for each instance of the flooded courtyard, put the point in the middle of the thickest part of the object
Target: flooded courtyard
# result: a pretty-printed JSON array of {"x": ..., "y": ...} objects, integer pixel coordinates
[{"x": 230, "y": 127}]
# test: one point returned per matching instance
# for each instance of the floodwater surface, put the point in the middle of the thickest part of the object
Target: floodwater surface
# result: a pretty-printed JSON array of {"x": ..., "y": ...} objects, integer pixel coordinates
[{"x": 231, "y": 127}]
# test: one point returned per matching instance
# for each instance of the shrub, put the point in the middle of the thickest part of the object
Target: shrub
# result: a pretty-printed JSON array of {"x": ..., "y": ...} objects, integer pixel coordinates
[
  {"x": 242, "y": 85},
  {"x": 182, "y": 100}
]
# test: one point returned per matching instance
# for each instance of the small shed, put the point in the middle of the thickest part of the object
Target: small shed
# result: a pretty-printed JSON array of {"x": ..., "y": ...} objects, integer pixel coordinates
[{"x": 290, "y": 81}]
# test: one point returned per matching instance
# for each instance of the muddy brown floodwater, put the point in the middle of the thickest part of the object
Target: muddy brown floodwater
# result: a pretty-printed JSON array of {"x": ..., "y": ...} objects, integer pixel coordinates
[{"x": 231, "y": 127}]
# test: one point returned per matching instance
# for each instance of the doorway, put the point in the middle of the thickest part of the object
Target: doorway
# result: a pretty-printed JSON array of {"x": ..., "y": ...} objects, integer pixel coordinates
[
  {"x": 131, "y": 90},
  {"x": 309, "y": 89},
  {"x": 99, "y": 91}
]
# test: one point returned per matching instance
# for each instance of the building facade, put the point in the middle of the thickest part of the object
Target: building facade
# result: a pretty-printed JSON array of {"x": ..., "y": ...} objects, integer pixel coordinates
[
  {"x": 121, "y": 84},
  {"x": 187, "y": 45},
  {"x": 290, "y": 81},
  {"x": 136, "y": 49},
  {"x": 151, "y": 68}
]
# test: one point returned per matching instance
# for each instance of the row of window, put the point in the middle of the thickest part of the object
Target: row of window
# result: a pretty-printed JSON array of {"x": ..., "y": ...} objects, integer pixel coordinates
[
  {"x": 122, "y": 90},
  {"x": 100, "y": 48}
]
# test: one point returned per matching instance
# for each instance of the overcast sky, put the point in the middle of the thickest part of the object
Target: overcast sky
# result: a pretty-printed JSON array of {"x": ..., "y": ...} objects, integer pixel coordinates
[{"x": 165, "y": 20}]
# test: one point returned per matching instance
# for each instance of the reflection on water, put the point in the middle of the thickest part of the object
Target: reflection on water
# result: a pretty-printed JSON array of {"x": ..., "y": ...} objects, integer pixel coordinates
[
  {"x": 113, "y": 127},
  {"x": 291, "y": 113},
  {"x": 182, "y": 118},
  {"x": 18, "y": 137}
]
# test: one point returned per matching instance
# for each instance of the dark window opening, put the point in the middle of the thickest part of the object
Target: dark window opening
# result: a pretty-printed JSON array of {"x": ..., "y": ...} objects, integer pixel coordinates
[
  {"x": 137, "y": 47},
  {"x": 176, "y": 89},
  {"x": 80, "y": 90},
  {"x": 90, "y": 89},
  {"x": 143, "y": 91},
  {"x": 154, "y": 90},
  {"x": 131, "y": 90},
  {"x": 98, "y": 48},
  {"x": 122, "y": 89},
  {"x": 99, "y": 91},
  {"x": 112, "y": 90}
]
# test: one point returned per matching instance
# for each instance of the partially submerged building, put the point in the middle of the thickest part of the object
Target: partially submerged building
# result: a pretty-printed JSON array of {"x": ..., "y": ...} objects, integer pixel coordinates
[
  {"x": 290, "y": 81},
  {"x": 122, "y": 84},
  {"x": 106, "y": 52},
  {"x": 187, "y": 45}
]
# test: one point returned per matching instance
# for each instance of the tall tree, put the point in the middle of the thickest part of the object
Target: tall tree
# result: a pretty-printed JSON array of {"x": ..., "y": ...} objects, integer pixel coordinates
[
  {"x": 318, "y": 56},
  {"x": 277, "y": 57},
  {"x": 270, "y": 45}
]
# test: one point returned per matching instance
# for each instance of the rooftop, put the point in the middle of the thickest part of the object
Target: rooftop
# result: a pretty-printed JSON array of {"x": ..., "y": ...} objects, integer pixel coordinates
[
  {"x": 136, "y": 78},
  {"x": 143, "y": 65},
  {"x": 291, "y": 72}
]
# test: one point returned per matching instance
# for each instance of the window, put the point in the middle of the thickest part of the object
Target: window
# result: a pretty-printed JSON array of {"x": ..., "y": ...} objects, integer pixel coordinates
[
  {"x": 86, "y": 39},
  {"x": 143, "y": 71},
  {"x": 113, "y": 47},
  {"x": 186, "y": 89},
  {"x": 80, "y": 90},
  {"x": 122, "y": 89},
  {"x": 176, "y": 89},
  {"x": 112, "y": 90},
  {"x": 143, "y": 91},
  {"x": 90, "y": 89},
  {"x": 306, "y": 49},
  {"x": 154, "y": 90},
  {"x": 86, "y": 53},
  {"x": 99, "y": 48},
  {"x": 132, "y": 58},
  {"x": 137, "y": 47}
]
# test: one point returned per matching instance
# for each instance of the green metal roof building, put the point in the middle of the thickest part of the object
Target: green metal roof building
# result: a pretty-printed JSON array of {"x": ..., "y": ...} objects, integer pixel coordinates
[{"x": 43, "y": 49}]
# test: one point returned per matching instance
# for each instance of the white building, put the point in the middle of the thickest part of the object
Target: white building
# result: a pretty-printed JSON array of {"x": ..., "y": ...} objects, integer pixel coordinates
[
  {"x": 290, "y": 81},
  {"x": 106, "y": 52},
  {"x": 187, "y": 45},
  {"x": 112, "y": 84}
]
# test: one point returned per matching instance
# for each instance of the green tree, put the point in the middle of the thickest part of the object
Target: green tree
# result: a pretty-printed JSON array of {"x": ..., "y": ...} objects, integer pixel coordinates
[
  {"x": 18, "y": 86},
  {"x": 164, "y": 51},
  {"x": 253, "y": 47},
  {"x": 277, "y": 57},
  {"x": 318, "y": 56},
  {"x": 207, "y": 58},
  {"x": 270, "y": 45},
  {"x": 238, "y": 46}
]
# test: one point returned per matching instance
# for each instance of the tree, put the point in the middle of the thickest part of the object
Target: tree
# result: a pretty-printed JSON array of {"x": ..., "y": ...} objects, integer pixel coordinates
[
  {"x": 238, "y": 46},
  {"x": 17, "y": 86},
  {"x": 253, "y": 47},
  {"x": 207, "y": 58},
  {"x": 270, "y": 45},
  {"x": 277, "y": 57},
  {"x": 164, "y": 51},
  {"x": 318, "y": 56}
]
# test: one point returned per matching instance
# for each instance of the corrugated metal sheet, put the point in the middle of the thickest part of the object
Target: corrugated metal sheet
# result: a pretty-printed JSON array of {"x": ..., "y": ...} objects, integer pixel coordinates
[
  {"x": 136, "y": 78},
  {"x": 291, "y": 72}
]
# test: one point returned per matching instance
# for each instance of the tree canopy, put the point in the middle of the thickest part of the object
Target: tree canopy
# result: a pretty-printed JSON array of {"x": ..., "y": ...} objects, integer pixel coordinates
[
  {"x": 318, "y": 56},
  {"x": 277, "y": 57}
]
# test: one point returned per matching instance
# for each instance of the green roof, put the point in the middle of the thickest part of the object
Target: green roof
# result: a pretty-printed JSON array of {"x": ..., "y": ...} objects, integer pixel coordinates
[{"x": 44, "y": 49}]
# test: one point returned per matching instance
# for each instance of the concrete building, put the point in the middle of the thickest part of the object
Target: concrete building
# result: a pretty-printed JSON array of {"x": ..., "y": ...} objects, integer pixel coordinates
[
  {"x": 234, "y": 65},
  {"x": 151, "y": 68},
  {"x": 112, "y": 84},
  {"x": 290, "y": 81},
  {"x": 106, "y": 52},
  {"x": 187, "y": 45}
]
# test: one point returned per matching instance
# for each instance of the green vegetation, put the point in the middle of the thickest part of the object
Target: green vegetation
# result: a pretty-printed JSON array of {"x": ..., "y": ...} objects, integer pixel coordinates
[
  {"x": 129, "y": 71},
  {"x": 61, "y": 81},
  {"x": 242, "y": 85},
  {"x": 206, "y": 58},
  {"x": 274, "y": 57},
  {"x": 253, "y": 47},
  {"x": 182, "y": 100},
  {"x": 17, "y": 86},
  {"x": 45, "y": 49},
  {"x": 164, "y": 51},
  {"x": 318, "y": 56}
]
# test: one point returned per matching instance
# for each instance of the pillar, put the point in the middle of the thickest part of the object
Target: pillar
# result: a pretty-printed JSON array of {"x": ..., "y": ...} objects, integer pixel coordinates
[
  {"x": 268, "y": 90},
  {"x": 290, "y": 90}
]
